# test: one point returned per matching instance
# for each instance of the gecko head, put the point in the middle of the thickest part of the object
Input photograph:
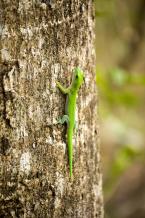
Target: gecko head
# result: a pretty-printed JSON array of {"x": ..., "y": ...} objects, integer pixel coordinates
[{"x": 78, "y": 77}]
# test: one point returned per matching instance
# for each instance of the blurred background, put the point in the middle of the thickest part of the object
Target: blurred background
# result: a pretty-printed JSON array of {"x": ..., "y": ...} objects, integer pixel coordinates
[{"x": 120, "y": 77}]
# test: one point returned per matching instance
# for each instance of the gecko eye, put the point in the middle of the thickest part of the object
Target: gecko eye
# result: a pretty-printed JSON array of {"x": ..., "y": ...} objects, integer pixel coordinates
[{"x": 76, "y": 76}]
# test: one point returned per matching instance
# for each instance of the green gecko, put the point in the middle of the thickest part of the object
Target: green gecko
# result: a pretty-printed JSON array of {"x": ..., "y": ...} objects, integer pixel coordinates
[{"x": 70, "y": 109}]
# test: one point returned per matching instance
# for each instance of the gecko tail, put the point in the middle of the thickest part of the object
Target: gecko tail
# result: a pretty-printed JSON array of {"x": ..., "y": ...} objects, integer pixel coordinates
[
  {"x": 70, "y": 152},
  {"x": 70, "y": 156}
]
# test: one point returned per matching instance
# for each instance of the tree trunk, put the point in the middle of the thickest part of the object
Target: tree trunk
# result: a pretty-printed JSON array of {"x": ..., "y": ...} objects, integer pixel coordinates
[{"x": 41, "y": 42}]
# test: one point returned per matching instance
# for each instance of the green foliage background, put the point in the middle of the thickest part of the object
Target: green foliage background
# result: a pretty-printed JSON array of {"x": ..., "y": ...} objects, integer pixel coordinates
[{"x": 120, "y": 78}]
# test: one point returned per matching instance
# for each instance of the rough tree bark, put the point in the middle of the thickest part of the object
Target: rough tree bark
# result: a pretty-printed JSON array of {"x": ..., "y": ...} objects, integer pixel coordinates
[{"x": 42, "y": 41}]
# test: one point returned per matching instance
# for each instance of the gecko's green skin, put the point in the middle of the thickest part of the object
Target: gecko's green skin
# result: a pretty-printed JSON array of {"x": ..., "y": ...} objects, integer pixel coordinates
[{"x": 70, "y": 109}]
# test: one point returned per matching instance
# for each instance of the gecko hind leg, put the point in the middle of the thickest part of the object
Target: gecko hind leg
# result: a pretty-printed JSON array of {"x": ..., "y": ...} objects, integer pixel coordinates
[{"x": 64, "y": 119}]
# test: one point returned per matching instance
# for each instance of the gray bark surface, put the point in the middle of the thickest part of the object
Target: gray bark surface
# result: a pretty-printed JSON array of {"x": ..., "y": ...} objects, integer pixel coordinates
[{"x": 41, "y": 42}]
